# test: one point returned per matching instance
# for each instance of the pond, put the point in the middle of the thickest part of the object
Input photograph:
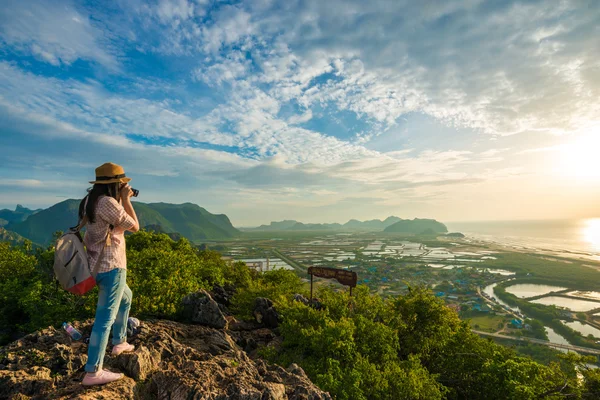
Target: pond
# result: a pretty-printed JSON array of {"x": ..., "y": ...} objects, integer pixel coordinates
[
  {"x": 571, "y": 304},
  {"x": 585, "y": 294},
  {"x": 499, "y": 271},
  {"x": 273, "y": 264},
  {"x": 489, "y": 290},
  {"x": 524, "y": 290},
  {"x": 584, "y": 329}
]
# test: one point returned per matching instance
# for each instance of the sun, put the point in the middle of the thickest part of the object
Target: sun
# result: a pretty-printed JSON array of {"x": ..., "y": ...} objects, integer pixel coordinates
[
  {"x": 591, "y": 232},
  {"x": 580, "y": 159}
]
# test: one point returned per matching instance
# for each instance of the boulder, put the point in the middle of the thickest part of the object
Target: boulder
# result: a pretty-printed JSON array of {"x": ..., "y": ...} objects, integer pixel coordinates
[
  {"x": 223, "y": 294},
  {"x": 139, "y": 364},
  {"x": 200, "y": 308},
  {"x": 265, "y": 313}
]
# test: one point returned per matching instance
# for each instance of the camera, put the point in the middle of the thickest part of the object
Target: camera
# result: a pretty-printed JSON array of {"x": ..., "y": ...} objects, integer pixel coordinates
[{"x": 135, "y": 192}]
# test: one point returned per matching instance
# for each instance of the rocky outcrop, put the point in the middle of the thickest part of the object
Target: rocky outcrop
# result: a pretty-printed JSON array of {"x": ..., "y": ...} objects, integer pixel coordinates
[
  {"x": 200, "y": 308},
  {"x": 171, "y": 361},
  {"x": 265, "y": 313}
]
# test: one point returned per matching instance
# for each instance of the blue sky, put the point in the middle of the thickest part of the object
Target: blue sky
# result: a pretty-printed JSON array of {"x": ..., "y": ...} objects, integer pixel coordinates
[{"x": 318, "y": 111}]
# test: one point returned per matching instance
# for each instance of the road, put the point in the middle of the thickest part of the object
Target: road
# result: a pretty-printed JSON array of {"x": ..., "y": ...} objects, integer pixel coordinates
[{"x": 578, "y": 349}]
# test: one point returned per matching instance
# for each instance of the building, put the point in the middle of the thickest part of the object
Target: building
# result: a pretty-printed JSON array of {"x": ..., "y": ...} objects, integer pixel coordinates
[{"x": 516, "y": 323}]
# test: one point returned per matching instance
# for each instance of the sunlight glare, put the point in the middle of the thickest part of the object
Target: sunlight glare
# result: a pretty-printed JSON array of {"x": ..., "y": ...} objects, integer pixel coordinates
[
  {"x": 591, "y": 232},
  {"x": 581, "y": 159}
]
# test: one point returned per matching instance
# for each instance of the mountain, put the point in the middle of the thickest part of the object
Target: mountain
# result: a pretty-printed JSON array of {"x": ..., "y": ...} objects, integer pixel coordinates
[
  {"x": 277, "y": 226},
  {"x": 374, "y": 224},
  {"x": 314, "y": 227},
  {"x": 417, "y": 226},
  {"x": 20, "y": 214},
  {"x": 159, "y": 229},
  {"x": 189, "y": 220},
  {"x": 11, "y": 237},
  {"x": 353, "y": 224}
]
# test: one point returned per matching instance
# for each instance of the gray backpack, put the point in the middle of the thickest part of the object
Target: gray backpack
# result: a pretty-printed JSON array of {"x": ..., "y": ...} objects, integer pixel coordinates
[{"x": 71, "y": 265}]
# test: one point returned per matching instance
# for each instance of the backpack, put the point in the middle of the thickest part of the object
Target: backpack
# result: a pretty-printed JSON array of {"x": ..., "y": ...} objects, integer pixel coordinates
[{"x": 71, "y": 265}]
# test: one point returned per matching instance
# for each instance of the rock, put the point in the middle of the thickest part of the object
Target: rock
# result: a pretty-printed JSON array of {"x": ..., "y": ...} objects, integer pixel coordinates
[
  {"x": 223, "y": 294},
  {"x": 274, "y": 391},
  {"x": 29, "y": 381},
  {"x": 200, "y": 308},
  {"x": 139, "y": 364},
  {"x": 296, "y": 370},
  {"x": 265, "y": 314},
  {"x": 314, "y": 303},
  {"x": 300, "y": 298},
  {"x": 171, "y": 361},
  {"x": 236, "y": 325}
]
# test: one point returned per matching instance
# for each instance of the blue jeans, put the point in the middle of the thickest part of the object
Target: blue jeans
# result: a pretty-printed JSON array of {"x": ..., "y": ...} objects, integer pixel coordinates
[{"x": 114, "y": 302}]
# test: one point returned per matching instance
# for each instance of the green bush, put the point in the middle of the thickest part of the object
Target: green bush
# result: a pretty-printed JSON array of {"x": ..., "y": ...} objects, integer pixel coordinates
[
  {"x": 279, "y": 286},
  {"x": 160, "y": 273}
]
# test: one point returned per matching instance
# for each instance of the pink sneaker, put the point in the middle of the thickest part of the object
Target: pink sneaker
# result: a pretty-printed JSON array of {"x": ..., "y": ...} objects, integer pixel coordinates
[
  {"x": 100, "y": 378},
  {"x": 122, "y": 348}
]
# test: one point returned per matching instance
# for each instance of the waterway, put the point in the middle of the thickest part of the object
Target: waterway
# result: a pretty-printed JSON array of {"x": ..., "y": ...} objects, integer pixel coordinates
[
  {"x": 489, "y": 290},
  {"x": 554, "y": 337}
]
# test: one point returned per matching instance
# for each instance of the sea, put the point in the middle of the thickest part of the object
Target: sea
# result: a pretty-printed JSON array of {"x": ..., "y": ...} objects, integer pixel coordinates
[{"x": 579, "y": 238}]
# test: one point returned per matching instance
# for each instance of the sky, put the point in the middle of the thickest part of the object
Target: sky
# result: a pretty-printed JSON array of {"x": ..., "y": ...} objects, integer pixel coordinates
[{"x": 313, "y": 110}]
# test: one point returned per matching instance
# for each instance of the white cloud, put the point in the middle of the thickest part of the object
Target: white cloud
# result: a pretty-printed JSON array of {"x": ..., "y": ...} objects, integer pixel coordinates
[
  {"x": 55, "y": 32},
  {"x": 20, "y": 182},
  {"x": 168, "y": 10}
]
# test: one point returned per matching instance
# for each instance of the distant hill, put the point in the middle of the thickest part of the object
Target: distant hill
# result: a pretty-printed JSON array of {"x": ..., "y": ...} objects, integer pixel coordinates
[
  {"x": 11, "y": 237},
  {"x": 353, "y": 224},
  {"x": 374, "y": 224},
  {"x": 417, "y": 226},
  {"x": 159, "y": 229},
  {"x": 277, "y": 226},
  {"x": 18, "y": 215},
  {"x": 455, "y": 234},
  {"x": 314, "y": 227},
  {"x": 189, "y": 220}
]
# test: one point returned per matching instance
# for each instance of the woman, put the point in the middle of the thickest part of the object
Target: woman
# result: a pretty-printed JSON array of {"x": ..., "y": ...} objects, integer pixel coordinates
[{"x": 110, "y": 213}]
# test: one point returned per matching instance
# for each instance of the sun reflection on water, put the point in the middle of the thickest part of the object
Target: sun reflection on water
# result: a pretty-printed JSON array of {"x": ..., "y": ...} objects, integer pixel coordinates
[{"x": 591, "y": 232}]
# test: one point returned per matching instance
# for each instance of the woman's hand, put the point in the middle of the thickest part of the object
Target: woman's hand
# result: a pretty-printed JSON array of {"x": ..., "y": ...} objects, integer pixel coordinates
[{"x": 126, "y": 191}]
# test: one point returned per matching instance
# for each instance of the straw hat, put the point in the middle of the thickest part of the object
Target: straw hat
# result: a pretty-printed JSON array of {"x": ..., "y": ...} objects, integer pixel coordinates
[{"x": 110, "y": 173}]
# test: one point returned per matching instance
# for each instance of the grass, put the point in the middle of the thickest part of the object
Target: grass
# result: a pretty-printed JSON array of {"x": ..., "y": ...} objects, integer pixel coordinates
[
  {"x": 486, "y": 323},
  {"x": 544, "y": 270}
]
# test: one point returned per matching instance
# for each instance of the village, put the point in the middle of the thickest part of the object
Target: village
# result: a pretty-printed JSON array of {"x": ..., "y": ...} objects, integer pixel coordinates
[{"x": 390, "y": 264}]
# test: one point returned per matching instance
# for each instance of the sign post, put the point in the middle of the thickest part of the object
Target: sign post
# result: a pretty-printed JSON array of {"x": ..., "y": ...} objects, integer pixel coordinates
[{"x": 343, "y": 276}]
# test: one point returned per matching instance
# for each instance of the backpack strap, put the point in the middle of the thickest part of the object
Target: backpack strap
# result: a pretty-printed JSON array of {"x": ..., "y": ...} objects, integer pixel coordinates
[{"x": 106, "y": 243}]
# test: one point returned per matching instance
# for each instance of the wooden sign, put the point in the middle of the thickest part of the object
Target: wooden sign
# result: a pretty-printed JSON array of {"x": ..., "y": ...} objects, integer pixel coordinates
[{"x": 343, "y": 276}]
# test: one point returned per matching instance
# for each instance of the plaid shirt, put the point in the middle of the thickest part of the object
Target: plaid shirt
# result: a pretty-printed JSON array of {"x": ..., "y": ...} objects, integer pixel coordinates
[{"x": 108, "y": 212}]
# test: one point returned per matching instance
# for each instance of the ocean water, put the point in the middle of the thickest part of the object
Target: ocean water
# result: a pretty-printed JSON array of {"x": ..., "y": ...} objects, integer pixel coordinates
[{"x": 570, "y": 236}]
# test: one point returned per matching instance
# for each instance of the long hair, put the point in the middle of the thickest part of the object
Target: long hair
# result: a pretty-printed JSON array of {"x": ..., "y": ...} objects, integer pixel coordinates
[{"x": 94, "y": 194}]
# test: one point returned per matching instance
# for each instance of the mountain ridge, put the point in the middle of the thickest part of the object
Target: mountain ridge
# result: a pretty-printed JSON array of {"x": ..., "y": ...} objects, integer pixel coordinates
[
  {"x": 188, "y": 219},
  {"x": 417, "y": 226},
  {"x": 373, "y": 225},
  {"x": 18, "y": 215}
]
